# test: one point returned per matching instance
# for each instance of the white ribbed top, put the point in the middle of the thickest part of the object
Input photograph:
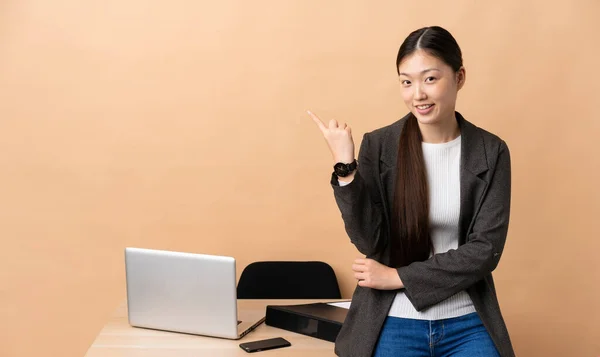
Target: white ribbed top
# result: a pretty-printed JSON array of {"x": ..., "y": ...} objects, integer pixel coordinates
[{"x": 442, "y": 162}]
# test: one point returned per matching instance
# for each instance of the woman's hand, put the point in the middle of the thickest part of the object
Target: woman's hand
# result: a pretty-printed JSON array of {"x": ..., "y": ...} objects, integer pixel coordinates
[
  {"x": 339, "y": 139},
  {"x": 372, "y": 274}
]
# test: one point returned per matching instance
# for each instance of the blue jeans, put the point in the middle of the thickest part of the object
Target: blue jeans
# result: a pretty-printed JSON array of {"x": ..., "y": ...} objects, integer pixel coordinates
[{"x": 463, "y": 336}]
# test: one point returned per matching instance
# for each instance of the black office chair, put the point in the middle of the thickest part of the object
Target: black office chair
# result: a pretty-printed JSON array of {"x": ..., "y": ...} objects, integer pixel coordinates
[{"x": 288, "y": 280}]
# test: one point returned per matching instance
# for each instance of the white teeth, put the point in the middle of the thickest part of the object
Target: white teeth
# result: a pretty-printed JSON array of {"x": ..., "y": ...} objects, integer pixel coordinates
[{"x": 424, "y": 106}]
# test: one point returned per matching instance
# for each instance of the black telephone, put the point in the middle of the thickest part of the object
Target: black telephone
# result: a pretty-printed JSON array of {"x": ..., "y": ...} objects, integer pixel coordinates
[{"x": 264, "y": 345}]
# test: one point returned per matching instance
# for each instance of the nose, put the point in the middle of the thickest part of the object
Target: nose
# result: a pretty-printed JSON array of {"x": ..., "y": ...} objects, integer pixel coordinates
[{"x": 420, "y": 93}]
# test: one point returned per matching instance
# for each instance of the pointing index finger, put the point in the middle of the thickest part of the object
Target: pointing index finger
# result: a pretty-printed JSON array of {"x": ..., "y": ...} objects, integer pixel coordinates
[{"x": 317, "y": 121}]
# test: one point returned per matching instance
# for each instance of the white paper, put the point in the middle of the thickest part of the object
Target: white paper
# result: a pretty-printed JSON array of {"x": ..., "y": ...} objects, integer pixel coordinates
[{"x": 342, "y": 304}]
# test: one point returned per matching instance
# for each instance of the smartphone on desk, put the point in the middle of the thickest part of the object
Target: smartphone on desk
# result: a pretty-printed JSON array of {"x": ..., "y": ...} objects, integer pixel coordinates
[{"x": 263, "y": 345}]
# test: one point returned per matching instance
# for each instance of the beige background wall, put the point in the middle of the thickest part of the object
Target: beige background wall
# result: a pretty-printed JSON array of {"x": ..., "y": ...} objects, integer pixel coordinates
[{"x": 181, "y": 125}]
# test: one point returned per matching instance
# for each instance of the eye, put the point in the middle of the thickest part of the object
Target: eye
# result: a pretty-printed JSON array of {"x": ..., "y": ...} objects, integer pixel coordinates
[
  {"x": 430, "y": 79},
  {"x": 405, "y": 82}
]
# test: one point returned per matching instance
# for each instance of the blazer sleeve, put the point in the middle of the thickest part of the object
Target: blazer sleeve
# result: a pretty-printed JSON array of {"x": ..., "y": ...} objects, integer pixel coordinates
[
  {"x": 360, "y": 203},
  {"x": 429, "y": 282}
]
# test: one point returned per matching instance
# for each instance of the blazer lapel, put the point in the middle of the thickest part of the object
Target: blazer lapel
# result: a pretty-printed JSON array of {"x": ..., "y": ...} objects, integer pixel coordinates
[
  {"x": 387, "y": 166},
  {"x": 473, "y": 164}
]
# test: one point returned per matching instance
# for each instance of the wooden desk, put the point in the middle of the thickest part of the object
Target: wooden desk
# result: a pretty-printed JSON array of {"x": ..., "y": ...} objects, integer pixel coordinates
[{"x": 119, "y": 339}]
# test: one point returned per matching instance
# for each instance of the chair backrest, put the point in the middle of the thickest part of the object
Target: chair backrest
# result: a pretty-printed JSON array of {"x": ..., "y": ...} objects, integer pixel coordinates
[{"x": 288, "y": 280}]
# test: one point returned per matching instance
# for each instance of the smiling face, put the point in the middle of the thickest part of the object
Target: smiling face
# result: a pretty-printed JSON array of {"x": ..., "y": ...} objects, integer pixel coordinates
[{"x": 430, "y": 87}]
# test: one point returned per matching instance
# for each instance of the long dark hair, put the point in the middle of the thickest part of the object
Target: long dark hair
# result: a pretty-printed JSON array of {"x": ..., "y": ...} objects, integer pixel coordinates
[{"x": 411, "y": 240}]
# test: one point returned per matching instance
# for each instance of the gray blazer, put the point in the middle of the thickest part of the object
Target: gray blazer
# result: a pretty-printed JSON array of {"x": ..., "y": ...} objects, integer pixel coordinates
[{"x": 366, "y": 203}]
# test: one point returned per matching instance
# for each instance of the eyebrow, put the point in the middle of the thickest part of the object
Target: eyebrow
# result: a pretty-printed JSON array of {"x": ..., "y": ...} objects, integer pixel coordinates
[{"x": 423, "y": 71}]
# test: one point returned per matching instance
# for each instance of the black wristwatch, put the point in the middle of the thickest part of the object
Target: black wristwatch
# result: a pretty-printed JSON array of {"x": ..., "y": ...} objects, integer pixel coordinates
[{"x": 342, "y": 170}]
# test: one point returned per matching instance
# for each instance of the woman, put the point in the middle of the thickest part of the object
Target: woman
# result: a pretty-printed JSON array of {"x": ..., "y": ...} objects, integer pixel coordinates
[{"x": 428, "y": 203}]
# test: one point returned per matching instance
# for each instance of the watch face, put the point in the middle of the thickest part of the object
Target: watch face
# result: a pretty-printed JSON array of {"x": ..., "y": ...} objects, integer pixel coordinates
[{"x": 341, "y": 169}]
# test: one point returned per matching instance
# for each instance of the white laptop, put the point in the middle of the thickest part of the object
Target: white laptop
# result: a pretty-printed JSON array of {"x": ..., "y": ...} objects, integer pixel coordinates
[{"x": 185, "y": 292}]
